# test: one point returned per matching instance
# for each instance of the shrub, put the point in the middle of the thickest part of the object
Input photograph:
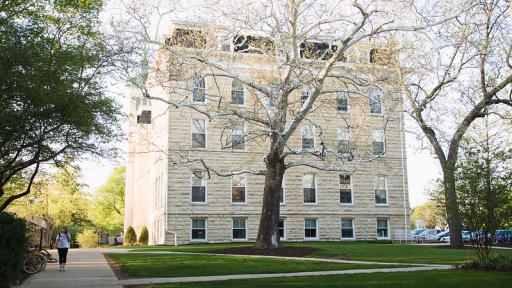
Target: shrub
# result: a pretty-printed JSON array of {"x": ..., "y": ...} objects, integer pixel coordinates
[
  {"x": 87, "y": 239},
  {"x": 130, "y": 238},
  {"x": 144, "y": 237},
  {"x": 492, "y": 263},
  {"x": 12, "y": 244}
]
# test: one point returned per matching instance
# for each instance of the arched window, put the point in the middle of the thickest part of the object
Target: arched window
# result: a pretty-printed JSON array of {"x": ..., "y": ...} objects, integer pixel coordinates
[
  {"x": 199, "y": 90},
  {"x": 237, "y": 92}
]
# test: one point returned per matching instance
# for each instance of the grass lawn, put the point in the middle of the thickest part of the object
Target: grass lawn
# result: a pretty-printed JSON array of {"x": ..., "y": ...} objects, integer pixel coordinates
[
  {"x": 169, "y": 265},
  {"x": 427, "y": 279},
  {"x": 358, "y": 251}
]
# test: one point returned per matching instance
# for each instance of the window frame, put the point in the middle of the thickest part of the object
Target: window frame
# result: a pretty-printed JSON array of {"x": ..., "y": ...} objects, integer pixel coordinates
[
  {"x": 194, "y": 87},
  {"x": 375, "y": 181},
  {"x": 316, "y": 230},
  {"x": 374, "y": 130},
  {"x": 192, "y": 134},
  {"x": 370, "y": 98},
  {"x": 309, "y": 89},
  {"x": 339, "y": 132},
  {"x": 205, "y": 230},
  {"x": 351, "y": 190},
  {"x": 340, "y": 92},
  {"x": 243, "y": 132},
  {"x": 316, "y": 189},
  {"x": 241, "y": 91},
  {"x": 352, "y": 227},
  {"x": 245, "y": 190},
  {"x": 284, "y": 229},
  {"x": 302, "y": 129},
  {"x": 192, "y": 186},
  {"x": 388, "y": 229},
  {"x": 233, "y": 228}
]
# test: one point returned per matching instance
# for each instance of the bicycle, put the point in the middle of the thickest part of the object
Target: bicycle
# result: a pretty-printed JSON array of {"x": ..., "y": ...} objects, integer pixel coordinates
[
  {"x": 48, "y": 257},
  {"x": 34, "y": 262}
]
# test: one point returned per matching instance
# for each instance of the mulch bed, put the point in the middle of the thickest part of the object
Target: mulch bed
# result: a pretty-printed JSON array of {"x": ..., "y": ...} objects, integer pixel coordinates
[{"x": 282, "y": 251}]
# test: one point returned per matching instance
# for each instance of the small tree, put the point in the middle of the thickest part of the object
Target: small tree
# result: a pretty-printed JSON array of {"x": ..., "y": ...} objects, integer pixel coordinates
[
  {"x": 87, "y": 239},
  {"x": 130, "y": 238},
  {"x": 144, "y": 237}
]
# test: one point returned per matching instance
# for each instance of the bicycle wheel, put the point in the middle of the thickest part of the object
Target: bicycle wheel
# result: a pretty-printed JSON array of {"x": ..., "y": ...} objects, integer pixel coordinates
[
  {"x": 45, "y": 253},
  {"x": 43, "y": 259},
  {"x": 33, "y": 264}
]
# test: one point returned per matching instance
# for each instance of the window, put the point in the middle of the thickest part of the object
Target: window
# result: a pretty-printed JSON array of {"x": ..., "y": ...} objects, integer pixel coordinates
[
  {"x": 347, "y": 228},
  {"x": 345, "y": 189},
  {"x": 199, "y": 90},
  {"x": 239, "y": 228},
  {"x": 310, "y": 229},
  {"x": 305, "y": 92},
  {"x": 198, "y": 133},
  {"x": 282, "y": 197},
  {"x": 198, "y": 187},
  {"x": 382, "y": 228},
  {"x": 238, "y": 137},
  {"x": 282, "y": 231},
  {"x": 188, "y": 38},
  {"x": 342, "y": 101},
  {"x": 343, "y": 135},
  {"x": 375, "y": 102},
  {"x": 237, "y": 92},
  {"x": 381, "y": 193},
  {"x": 378, "y": 141},
  {"x": 198, "y": 229},
  {"x": 309, "y": 188},
  {"x": 238, "y": 189},
  {"x": 308, "y": 137},
  {"x": 274, "y": 90}
]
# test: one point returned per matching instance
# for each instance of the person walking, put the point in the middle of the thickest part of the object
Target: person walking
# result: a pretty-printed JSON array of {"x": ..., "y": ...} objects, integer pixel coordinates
[{"x": 63, "y": 240}]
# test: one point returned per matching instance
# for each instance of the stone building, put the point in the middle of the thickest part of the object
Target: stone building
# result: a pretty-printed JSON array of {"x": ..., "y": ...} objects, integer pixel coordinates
[{"x": 182, "y": 203}]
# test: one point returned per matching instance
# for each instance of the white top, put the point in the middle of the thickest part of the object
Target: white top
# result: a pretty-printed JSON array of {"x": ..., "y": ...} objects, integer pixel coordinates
[{"x": 62, "y": 240}]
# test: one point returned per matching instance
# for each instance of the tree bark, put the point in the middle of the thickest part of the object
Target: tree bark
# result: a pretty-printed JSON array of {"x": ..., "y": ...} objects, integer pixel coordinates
[
  {"x": 452, "y": 212},
  {"x": 268, "y": 233}
]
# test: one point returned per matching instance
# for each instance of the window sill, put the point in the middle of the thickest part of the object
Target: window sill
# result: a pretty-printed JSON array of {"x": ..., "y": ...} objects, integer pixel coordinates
[
  {"x": 199, "y": 240},
  {"x": 377, "y": 114},
  {"x": 199, "y": 203},
  {"x": 311, "y": 239},
  {"x": 239, "y": 203},
  {"x": 383, "y": 238},
  {"x": 239, "y": 240},
  {"x": 381, "y": 205},
  {"x": 348, "y": 239},
  {"x": 315, "y": 203},
  {"x": 347, "y": 204}
]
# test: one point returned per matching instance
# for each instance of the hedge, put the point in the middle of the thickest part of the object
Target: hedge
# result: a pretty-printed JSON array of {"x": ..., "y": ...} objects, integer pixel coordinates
[{"x": 13, "y": 232}]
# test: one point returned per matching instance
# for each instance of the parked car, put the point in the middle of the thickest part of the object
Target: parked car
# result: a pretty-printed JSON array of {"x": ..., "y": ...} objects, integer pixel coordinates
[
  {"x": 503, "y": 236},
  {"x": 466, "y": 236},
  {"x": 442, "y": 234},
  {"x": 416, "y": 232},
  {"x": 427, "y": 235}
]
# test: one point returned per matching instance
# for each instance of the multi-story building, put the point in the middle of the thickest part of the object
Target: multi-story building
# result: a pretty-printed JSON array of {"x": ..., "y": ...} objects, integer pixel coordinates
[{"x": 181, "y": 203}]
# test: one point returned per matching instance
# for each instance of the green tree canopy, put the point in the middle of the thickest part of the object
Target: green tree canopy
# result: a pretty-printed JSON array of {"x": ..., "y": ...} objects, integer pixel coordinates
[
  {"x": 53, "y": 65},
  {"x": 108, "y": 202}
]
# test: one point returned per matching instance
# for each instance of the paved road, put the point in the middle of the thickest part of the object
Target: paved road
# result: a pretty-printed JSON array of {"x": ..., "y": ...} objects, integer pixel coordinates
[{"x": 85, "y": 268}]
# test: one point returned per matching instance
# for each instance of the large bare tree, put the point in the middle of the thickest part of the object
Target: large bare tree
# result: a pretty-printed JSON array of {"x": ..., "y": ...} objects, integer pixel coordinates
[
  {"x": 452, "y": 75},
  {"x": 314, "y": 50}
]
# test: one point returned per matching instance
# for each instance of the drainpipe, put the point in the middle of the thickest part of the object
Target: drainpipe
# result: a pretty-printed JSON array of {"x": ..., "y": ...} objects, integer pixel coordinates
[
  {"x": 401, "y": 129},
  {"x": 166, "y": 214}
]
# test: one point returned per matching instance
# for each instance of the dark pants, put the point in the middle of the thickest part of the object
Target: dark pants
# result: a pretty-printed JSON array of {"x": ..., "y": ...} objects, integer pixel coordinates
[{"x": 63, "y": 253}]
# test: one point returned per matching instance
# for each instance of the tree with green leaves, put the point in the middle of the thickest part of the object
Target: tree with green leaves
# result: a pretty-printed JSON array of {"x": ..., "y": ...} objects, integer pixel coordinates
[
  {"x": 107, "y": 210},
  {"x": 58, "y": 198},
  {"x": 53, "y": 66}
]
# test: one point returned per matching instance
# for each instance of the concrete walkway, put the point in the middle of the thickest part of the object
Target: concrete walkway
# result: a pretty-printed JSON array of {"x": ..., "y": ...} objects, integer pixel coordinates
[
  {"x": 143, "y": 281},
  {"x": 85, "y": 268},
  {"x": 89, "y": 268}
]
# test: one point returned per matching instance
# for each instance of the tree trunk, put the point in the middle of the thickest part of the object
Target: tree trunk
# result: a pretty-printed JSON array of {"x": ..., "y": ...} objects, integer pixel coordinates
[
  {"x": 268, "y": 233},
  {"x": 452, "y": 211}
]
